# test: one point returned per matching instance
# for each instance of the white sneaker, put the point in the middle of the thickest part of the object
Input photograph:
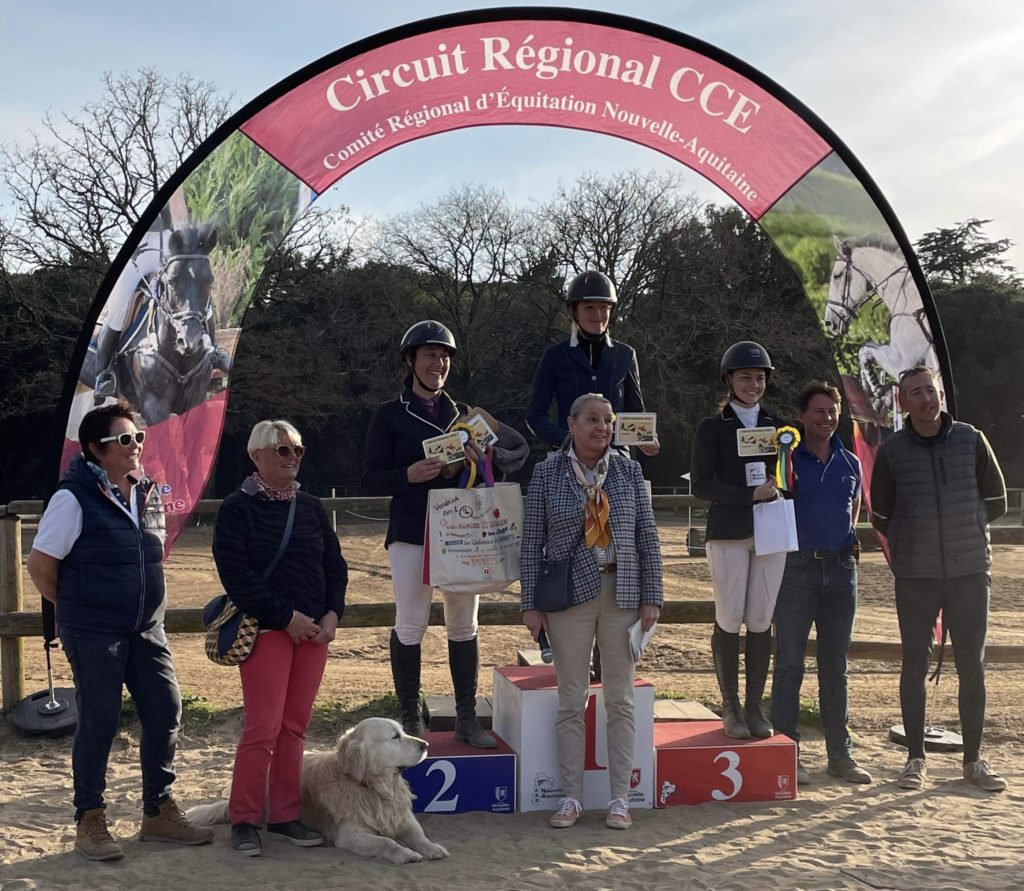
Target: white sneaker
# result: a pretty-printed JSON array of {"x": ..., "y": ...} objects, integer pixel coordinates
[
  {"x": 567, "y": 815},
  {"x": 983, "y": 776}
]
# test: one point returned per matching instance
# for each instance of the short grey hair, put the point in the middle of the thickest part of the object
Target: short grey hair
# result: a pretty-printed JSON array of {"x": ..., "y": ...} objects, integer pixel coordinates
[
  {"x": 577, "y": 406},
  {"x": 265, "y": 435}
]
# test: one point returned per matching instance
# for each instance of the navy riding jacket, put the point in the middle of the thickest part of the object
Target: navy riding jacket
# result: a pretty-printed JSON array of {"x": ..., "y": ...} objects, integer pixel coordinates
[{"x": 565, "y": 373}]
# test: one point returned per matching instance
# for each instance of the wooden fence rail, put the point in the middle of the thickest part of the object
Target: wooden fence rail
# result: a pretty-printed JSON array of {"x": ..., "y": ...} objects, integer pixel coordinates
[{"x": 17, "y": 624}]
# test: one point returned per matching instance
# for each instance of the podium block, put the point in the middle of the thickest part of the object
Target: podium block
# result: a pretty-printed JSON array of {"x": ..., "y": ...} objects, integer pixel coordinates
[
  {"x": 456, "y": 778},
  {"x": 695, "y": 762},
  {"x": 525, "y": 700}
]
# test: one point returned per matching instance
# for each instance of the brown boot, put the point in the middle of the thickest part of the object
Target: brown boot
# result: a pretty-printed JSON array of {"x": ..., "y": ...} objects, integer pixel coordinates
[
  {"x": 171, "y": 825},
  {"x": 93, "y": 840}
]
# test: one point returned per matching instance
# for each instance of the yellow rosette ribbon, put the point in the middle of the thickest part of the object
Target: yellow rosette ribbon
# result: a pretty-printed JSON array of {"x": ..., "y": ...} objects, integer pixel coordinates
[
  {"x": 786, "y": 440},
  {"x": 471, "y": 472}
]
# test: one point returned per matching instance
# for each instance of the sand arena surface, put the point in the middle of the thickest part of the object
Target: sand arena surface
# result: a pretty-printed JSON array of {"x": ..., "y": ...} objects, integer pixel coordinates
[{"x": 948, "y": 835}]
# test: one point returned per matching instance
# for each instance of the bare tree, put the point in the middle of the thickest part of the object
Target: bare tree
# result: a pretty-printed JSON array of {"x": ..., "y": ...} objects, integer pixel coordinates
[
  {"x": 464, "y": 248},
  {"x": 617, "y": 225},
  {"x": 80, "y": 187}
]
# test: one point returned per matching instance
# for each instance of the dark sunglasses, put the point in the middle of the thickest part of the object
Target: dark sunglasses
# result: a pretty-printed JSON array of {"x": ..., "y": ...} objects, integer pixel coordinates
[
  {"x": 126, "y": 439},
  {"x": 284, "y": 451}
]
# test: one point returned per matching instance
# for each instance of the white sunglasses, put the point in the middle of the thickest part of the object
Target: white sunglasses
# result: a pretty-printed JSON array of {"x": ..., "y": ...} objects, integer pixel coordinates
[{"x": 126, "y": 439}]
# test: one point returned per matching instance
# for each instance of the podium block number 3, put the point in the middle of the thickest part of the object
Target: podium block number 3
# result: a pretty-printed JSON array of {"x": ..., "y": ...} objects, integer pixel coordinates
[
  {"x": 438, "y": 804},
  {"x": 731, "y": 773}
]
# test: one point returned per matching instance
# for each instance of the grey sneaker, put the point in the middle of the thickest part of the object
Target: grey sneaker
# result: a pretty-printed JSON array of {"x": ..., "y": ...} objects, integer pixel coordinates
[
  {"x": 913, "y": 774},
  {"x": 983, "y": 776},
  {"x": 296, "y": 832},
  {"x": 803, "y": 778},
  {"x": 847, "y": 769}
]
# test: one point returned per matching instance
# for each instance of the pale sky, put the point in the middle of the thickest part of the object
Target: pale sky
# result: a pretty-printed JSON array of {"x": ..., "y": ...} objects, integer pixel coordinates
[{"x": 929, "y": 96}]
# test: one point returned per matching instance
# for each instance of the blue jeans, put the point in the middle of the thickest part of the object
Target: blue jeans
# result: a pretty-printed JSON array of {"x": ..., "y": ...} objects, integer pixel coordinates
[
  {"x": 821, "y": 591},
  {"x": 103, "y": 662}
]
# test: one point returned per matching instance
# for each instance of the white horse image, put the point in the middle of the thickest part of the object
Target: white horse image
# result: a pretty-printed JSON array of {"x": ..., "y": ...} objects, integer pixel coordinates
[{"x": 863, "y": 271}]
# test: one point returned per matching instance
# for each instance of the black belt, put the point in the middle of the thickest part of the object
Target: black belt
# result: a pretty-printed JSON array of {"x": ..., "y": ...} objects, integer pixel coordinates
[
  {"x": 819, "y": 554},
  {"x": 607, "y": 567}
]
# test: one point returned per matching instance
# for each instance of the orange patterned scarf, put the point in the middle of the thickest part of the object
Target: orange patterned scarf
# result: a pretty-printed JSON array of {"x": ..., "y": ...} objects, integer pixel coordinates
[{"x": 597, "y": 508}]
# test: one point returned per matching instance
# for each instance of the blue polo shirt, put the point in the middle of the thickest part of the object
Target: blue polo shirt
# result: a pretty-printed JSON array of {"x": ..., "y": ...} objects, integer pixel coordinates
[{"x": 824, "y": 497}]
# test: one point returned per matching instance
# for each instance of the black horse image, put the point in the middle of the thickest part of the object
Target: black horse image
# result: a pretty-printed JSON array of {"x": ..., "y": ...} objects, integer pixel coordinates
[{"x": 165, "y": 363}]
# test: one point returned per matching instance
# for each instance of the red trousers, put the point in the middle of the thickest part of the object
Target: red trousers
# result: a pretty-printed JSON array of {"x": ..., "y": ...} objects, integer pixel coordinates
[{"x": 280, "y": 680}]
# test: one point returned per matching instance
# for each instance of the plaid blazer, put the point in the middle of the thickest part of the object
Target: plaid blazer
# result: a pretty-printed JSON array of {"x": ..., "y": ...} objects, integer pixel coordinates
[{"x": 553, "y": 523}]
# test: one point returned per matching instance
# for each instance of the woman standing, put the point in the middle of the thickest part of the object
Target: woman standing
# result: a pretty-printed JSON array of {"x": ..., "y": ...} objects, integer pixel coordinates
[
  {"x": 98, "y": 555},
  {"x": 395, "y": 466},
  {"x": 298, "y": 605},
  {"x": 725, "y": 472},
  {"x": 588, "y": 502},
  {"x": 588, "y": 362}
]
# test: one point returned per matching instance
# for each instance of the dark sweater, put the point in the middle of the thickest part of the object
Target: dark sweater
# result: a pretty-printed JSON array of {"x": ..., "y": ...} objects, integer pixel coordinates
[{"x": 310, "y": 577}]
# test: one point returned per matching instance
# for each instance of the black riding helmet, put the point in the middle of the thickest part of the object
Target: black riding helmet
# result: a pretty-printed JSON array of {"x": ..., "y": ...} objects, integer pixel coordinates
[
  {"x": 591, "y": 285},
  {"x": 427, "y": 332},
  {"x": 746, "y": 354}
]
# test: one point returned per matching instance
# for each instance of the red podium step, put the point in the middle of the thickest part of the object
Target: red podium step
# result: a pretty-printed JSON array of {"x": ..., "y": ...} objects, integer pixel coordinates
[{"x": 695, "y": 762}]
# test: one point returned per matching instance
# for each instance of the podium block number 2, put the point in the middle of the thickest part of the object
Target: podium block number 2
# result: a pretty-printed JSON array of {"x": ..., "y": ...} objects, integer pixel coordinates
[
  {"x": 731, "y": 773},
  {"x": 439, "y": 804}
]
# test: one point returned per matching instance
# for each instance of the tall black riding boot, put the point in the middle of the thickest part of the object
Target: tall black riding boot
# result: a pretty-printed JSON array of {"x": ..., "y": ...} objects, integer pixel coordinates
[
  {"x": 759, "y": 656},
  {"x": 725, "y": 648},
  {"x": 463, "y": 659},
  {"x": 405, "y": 670}
]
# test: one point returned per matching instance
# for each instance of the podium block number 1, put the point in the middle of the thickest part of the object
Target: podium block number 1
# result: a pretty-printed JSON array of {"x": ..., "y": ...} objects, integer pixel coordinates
[{"x": 731, "y": 773}]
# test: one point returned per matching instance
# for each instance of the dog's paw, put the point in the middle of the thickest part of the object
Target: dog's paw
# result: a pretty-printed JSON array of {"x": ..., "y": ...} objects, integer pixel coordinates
[
  {"x": 434, "y": 852},
  {"x": 404, "y": 855}
]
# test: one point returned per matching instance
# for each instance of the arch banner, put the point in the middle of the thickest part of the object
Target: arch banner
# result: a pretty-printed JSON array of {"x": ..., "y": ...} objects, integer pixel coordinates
[{"x": 163, "y": 330}]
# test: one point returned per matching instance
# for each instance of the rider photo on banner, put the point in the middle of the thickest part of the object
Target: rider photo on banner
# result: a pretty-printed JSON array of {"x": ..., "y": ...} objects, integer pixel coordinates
[{"x": 165, "y": 339}]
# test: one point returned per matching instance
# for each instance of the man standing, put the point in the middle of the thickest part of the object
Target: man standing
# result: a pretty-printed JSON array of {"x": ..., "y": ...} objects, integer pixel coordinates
[
  {"x": 820, "y": 582},
  {"x": 935, "y": 487}
]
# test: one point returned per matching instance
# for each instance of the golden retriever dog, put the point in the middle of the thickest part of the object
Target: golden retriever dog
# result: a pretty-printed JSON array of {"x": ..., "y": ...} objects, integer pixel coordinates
[{"x": 356, "y": 795}]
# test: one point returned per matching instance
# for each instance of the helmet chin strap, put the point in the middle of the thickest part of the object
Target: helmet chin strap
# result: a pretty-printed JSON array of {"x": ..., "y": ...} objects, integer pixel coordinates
[{"x": 424, "y": 386}]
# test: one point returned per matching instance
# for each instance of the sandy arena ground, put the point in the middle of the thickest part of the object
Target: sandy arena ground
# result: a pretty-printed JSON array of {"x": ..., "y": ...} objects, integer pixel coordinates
[{"x": 948, "y": 835}]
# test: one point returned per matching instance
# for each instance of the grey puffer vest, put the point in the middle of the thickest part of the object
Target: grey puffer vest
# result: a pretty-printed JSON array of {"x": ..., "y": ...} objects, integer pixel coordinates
[{"x": 939, "y": 528}]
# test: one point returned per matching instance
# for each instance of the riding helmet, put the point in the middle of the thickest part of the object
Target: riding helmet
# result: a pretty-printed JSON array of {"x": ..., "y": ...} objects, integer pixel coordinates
[
  {"x": 746, "y": 354},
  {"x": 427, "y": 331},
  {"x": 591, "y": 285}
]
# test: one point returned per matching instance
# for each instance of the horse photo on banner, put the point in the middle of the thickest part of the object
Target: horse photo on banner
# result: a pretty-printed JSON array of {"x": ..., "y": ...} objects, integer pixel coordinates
[{"x": 165, "y": 339}]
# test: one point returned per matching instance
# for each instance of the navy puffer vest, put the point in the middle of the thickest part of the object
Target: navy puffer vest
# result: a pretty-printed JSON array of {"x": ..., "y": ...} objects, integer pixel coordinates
[{"x": 112, "y": 580}]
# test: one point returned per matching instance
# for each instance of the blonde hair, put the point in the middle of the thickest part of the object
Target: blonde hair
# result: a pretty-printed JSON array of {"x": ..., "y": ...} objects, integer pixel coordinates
[{"x": 265, "y": 435}]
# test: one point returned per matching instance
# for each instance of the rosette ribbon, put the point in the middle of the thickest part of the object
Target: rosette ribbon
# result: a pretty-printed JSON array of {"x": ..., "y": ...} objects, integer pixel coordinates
[
  {"x": 786, "y": 440},
  {"x": 477, "y": 470}
]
